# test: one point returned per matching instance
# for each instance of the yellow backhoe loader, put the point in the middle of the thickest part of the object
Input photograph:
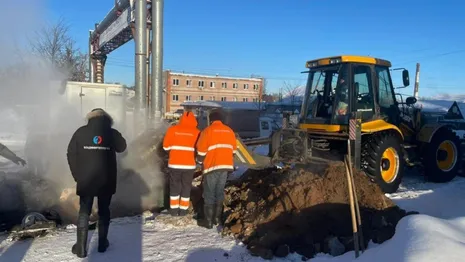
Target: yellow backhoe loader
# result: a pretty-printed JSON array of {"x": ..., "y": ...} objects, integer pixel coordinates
[{"x": 353, "y": 97}]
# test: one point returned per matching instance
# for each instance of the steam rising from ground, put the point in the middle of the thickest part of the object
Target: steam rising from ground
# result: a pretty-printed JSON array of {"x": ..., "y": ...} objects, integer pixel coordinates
[
  {"x": 29, "y": 94},
  {"x": 32, "y": 104}
]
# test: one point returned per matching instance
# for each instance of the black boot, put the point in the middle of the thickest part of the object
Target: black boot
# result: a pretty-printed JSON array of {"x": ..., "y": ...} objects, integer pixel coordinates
[
  {"x": 80, "y": 248},
  {"x": 174, "y": 212},
  {"x": 183, "y": 212},
  {"x": 208, "y": 216},
  {"x": 217, "y": 214},
  {"x": 103, "y": 243}
]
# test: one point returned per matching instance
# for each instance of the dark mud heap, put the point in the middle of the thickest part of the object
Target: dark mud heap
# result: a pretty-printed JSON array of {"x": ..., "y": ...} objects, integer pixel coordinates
[{"x": 305, "y": 211}]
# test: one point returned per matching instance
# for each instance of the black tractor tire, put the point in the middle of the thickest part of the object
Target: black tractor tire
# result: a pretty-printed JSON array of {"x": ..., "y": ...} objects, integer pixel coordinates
[
  {"x": 384, "y": 151},
  {"x": 434, "y": 170}
]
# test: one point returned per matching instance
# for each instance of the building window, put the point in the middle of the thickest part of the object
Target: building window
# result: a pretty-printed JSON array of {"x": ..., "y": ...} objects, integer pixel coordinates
[
  {"x": 246, "y": 86},
  {"x": 224, "y": 85},
  {"x": 212, "y": 98},
  {"x": 175, "y": 82},
  {"x": 255, "y": 99},
  {"x": 255, "y": 87},
  {"x": 201, "y": 83},
  {"x": 235, "y": 99},
  {"x": 188, "y": 82},
  {"x": 235, "y": 85},
  {"x": 212, "y": 84},
  {"x": 245, "y": 99},
  {"x": 188, "y": 98},
  {"x": 201, "y": 98},
  {"x": 223, "y": 98},
  {"x": 175, "y": 98}
]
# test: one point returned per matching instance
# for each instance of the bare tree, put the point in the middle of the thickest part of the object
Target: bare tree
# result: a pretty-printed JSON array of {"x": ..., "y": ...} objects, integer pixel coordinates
[
  {"x": 293, "y": 91},
  {"x": 54, "y": 44},
  {"x": 265, "y": 84}
]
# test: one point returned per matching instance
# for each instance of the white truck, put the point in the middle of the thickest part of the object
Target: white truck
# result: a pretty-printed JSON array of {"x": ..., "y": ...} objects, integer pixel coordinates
[
  {"x": 110, "y": 97},
  {"x": 244, "y": 118},
  {"x": 56, "y": 117}
]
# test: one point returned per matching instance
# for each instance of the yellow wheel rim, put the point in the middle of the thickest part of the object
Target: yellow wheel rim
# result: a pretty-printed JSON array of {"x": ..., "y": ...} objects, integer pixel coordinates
[
  {"x": 451, "y": 159},
  {"x": 389, "y": 165}
]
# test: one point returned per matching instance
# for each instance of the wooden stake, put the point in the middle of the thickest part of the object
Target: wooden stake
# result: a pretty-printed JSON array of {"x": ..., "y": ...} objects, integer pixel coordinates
[
  {"x": 357, "y": 207},
  {"x": 352, "y": 208},
  {"x": 357, "y": 211}
]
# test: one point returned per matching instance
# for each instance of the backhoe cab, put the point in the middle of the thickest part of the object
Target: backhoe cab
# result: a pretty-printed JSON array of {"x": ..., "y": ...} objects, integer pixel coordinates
[
  {"x": 338, "y": 87},
  {"x": 391, "y": 133}
]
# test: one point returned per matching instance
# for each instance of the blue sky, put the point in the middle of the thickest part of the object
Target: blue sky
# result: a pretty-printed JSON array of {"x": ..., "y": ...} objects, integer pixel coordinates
[{"x": 274, "y": 38}]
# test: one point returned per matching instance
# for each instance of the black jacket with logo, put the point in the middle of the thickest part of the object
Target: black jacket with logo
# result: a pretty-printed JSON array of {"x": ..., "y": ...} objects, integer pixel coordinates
[{"x": 92, "y": 155}]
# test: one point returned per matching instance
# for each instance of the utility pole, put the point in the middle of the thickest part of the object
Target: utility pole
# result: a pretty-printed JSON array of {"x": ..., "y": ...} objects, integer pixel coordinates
[
  {"x": 157, "y": 60},
  {"x": 140, "y": 39},
  {"x": 417, "y": 81},
  {"x": 91, "y": 69}
]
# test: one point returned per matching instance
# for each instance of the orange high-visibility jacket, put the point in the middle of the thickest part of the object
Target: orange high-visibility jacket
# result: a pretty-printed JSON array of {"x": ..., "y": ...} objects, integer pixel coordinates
[
  {"x": 216, "y": 147},
  {"x": 180, "y": 141}
]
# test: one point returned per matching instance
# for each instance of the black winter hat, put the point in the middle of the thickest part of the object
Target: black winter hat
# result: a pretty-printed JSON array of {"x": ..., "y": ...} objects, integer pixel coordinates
[{"x": 216, "y": 115}]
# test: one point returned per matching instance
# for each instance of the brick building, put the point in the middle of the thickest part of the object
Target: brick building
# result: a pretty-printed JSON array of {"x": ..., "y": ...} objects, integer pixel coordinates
[{"x": 182, "y": 87}]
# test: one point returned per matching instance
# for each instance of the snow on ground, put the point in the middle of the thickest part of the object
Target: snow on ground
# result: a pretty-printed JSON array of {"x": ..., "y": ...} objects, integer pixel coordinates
[
  {"x": 419, "y": 238},
  {"x": 436, "y": 235},
  {"x": 132, "y": 240}
]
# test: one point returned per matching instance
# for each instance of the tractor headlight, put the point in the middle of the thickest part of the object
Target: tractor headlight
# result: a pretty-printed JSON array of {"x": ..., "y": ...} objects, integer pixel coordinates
[
  {"x": 335, "y": 61},
  {"x": 312, "y": 64}
]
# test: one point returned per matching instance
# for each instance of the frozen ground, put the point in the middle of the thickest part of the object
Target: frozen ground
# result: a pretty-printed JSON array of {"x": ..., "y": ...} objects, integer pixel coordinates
[{"x": 438, "y": 235}]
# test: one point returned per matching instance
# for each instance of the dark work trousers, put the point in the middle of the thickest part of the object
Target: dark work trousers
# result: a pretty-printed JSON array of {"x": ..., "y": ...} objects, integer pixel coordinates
[
  {"x": 85, "y": 209},
  {"x": 213, "y": 187},
  {"x": 180, "y": 187}
]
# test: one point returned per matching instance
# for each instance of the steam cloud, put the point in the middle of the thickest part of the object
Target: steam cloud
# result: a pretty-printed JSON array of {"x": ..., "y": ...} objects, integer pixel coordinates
[{"x": 32, "y": 107}]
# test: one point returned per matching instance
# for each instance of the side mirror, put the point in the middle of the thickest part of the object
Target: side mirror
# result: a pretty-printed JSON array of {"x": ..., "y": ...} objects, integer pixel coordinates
[
  {"x": 405, "y": 77},
  {"x": 410, "y": 100}
]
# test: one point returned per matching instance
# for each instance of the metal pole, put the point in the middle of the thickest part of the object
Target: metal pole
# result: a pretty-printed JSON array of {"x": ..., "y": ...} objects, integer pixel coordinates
[
  {"x": 147, "y": 68},
  {"x": 140, "y": 39},
  {"x": 147, "y": 81},
  {"x": 91, "y": 67},
  {"x": 157, "y": 59},
  {"x": 417, "y": 81}
]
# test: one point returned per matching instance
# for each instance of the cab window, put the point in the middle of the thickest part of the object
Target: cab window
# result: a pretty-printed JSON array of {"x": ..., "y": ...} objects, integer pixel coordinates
[
  {"x": 363, "y": 89},
  {"x": 385, "y": 94}
]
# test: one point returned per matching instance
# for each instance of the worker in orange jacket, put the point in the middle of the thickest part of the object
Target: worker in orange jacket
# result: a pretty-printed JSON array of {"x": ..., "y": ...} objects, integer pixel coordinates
[
  {"x": 215, "y": 150},
  {"x": 180, "y": 141}
]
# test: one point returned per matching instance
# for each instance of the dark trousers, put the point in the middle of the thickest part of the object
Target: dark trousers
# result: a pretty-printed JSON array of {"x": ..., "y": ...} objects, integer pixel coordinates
[
  {"x": 213, "y": 187},
  {"x": 85, "y": 209},
  {"x": 180, "y": 187}
]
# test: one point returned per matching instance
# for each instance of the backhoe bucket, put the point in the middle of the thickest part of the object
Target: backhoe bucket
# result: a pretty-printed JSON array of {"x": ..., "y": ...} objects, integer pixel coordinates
[
  {"x": 250, "y": 159},
  {"x": 289, "y": 145}
]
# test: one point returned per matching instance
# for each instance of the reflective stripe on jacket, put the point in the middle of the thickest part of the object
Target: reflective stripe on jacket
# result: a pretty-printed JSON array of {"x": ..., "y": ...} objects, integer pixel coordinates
[
  {"x": 216, "y": 147},
  {"x": 180, "y": 141}
]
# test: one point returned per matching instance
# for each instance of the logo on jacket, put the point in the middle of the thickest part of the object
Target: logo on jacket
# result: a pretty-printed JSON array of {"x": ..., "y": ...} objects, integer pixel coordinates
[{"x": 97, "y": 140}]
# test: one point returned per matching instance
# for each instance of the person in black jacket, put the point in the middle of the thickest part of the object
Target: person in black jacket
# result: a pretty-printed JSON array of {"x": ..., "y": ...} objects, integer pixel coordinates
[{"x": 92, "y": 161}]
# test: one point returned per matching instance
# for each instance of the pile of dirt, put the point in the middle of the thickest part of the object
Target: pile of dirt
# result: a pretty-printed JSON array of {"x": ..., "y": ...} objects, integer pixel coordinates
[{"x": 307, "y": 211}]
